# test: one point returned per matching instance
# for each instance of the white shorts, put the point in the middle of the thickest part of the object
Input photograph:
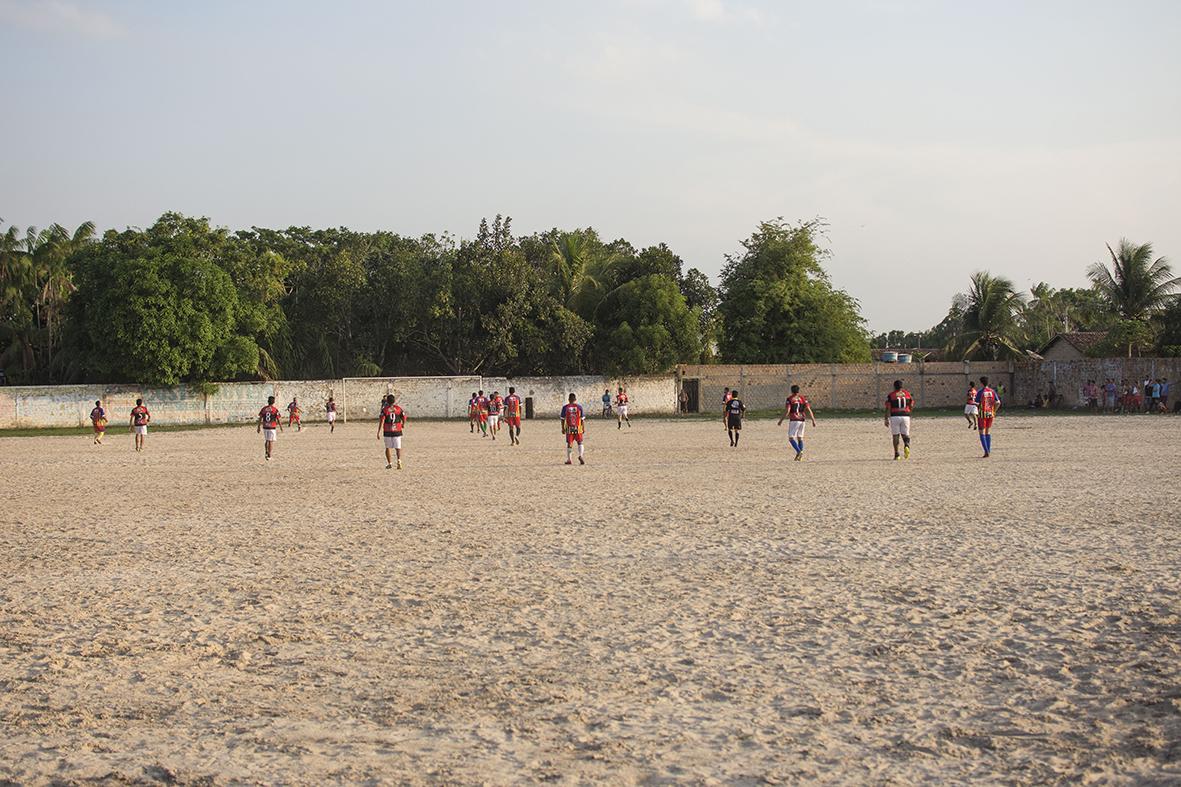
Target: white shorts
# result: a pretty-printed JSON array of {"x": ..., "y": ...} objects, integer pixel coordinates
[
  {"x": 393, "y": 442},
  {"x": 270, "y": 435},
  {"x": 622, "y": 410},
  {"x": 141, "y": 429},
  {"x": 900, "y": 424},
  {"x": 493, "y": 420},
  {"x": 971, "y": 409},
  {"x": 331, "y": 416},
  {"x": 795, "y": 428}
]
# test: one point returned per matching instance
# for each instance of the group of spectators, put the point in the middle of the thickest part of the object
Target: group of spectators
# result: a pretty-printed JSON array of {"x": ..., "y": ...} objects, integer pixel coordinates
[{"x": 1129, "y": 396}]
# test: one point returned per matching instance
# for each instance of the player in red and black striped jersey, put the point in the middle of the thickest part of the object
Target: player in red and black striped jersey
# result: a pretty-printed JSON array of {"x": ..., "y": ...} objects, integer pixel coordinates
[
  {"x": 390, "y": 426},
  {"x": 796, "y": 410},
  {"x": 899, "y": 406},
  {"x": 512, "y": 416},
  {"x": 270, "y": 423},
  {"x": 140, "y": 418}
]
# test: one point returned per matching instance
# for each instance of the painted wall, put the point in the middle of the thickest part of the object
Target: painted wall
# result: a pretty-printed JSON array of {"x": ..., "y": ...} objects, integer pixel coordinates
[
  {"x": 357, "y": 398},
  {"x": 843, "y": 386},
  {"x": 828, "y": 386}
]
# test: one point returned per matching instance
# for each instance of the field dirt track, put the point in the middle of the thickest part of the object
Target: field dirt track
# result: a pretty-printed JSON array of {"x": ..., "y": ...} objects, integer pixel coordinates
[{"x": 675, "y": 610}]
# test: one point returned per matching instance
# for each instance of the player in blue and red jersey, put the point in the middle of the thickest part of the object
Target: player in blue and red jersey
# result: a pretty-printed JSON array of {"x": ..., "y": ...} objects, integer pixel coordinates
[
  {"x": 482, "y": 413},
  {"x": 989, "y": 403},
  {"x": 512, "y": 416},
  {"x": 899, "y": 406},
  {"x": 574, "y": 427},
  {"x": 796, "y": 410}
]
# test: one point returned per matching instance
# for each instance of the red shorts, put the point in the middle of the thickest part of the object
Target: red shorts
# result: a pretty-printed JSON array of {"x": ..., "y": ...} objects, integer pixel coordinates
[
  {"x": 513, "y": 420},
  {"x": 985, "y": 421},
  {"x": 483, "y": 417},
  {"x": 573, "y": 437}
]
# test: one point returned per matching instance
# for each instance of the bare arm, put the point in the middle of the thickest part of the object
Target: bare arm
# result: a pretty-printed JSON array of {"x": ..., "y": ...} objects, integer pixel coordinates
[{"x": 810, "y": 415}]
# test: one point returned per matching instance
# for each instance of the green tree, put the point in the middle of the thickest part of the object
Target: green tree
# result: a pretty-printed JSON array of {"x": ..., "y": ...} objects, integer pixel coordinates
[
  {"x": 989, "y": 329},
  {"x": 169, "y": 304},
  {"x": 647, "y": 327},
  {"x": 1136, "y": 287},
  {"x": 778, "y": 306}
]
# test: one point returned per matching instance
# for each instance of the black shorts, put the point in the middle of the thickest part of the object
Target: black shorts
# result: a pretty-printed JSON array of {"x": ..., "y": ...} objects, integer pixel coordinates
[{"x": 733, "y": 422}]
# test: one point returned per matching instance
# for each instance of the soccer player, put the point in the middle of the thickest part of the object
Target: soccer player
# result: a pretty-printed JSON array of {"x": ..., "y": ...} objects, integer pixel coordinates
[
  {"x": 270, "y": 423},
  {"x": 512, "y": 414},
  {"x": 140, "y": 418},
  {"x": 389, "y": 428},
  {"x": 495, "y": 403},
  {"x": 795, "y": 411},
  {"x": 473, "y": 413},
  {"x": 732, "y": 417},
  {"x": 989, "y": 402},
  {"x": 971, "y": 409},
  {"x": 482, "y": 412},
  {"x": 606, "y": 402},
  {"x": 899, "y": 406},
  {"x": 293, "y": 415},
  {"x": 330, "y": 408},
  {"x": 621, "y": 401},
  {"x": 574, "y": 427},
  {"x": 98, "y": 418}
]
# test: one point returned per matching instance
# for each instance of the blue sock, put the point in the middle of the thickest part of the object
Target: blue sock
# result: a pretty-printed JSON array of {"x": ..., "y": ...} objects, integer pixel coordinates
[
  {"x": 792, "y": 440},
  {"x": 984, "y": 442},
  {"x": 801, "y": 445},
  {"x": 988, "y": 443}
]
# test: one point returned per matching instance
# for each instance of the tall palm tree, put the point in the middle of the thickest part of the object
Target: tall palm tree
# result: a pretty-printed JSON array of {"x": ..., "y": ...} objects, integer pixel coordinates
[
  {"x": 990, "y": 328},
  {"x": 1136, "y": 287}
]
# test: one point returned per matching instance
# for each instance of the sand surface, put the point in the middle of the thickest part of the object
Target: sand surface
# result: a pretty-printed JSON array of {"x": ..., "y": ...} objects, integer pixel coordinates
[{"x": 675, "y": 610}]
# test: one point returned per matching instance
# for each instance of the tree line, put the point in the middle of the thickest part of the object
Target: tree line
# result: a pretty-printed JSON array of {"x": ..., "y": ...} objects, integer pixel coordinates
[
  {"x": 1132, "y": 301},
  {"x": 183, "y": 301}
]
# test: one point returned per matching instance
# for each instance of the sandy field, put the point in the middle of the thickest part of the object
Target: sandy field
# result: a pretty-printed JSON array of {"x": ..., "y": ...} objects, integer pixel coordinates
[{"x": 675, "y": 611}]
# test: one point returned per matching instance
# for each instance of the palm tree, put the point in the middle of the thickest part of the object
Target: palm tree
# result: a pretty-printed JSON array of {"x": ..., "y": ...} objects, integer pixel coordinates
[
  {"x": 1136, "y": 287},
  {"x": 989, "y": 329},
  {"x": 582, "y": 274}
]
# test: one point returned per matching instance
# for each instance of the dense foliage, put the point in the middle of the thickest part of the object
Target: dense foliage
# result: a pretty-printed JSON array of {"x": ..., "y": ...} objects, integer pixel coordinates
[
  {"x": 778, "y": 306},
  {"x": 182, "y": 301},
  {"x": 185, "y": 302}
]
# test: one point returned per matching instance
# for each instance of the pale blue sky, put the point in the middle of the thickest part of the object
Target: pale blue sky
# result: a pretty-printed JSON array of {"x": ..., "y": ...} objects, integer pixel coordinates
[{"x": 937, "y": 138}]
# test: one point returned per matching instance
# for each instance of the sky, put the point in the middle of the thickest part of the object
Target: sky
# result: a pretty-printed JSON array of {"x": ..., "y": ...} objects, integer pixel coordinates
[{"x": 935, "y": 138}]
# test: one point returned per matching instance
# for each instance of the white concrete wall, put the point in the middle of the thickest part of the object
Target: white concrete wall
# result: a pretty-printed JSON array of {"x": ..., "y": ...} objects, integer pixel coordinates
[{"x": 357, "y": 398}]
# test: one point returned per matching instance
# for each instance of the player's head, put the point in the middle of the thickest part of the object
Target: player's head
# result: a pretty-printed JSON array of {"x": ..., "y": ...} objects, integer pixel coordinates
[
  {"x": 572, "y": 398},
  {"x": 139, "y": 402},
  {"x": 270, "y": 400},
  {"x": 727, "y": 389},
  {"x": 98, "y": 404},
  {"x": 795, "y": 389},
  {"x": 511, "y": 390},
  {"x": 621, "y": 389},
  {"x": 897, "y": 385},
  {"x": 481, "y": 392},
  {"x": 983, "y": 380},
  {"x": 330, "y": 398},
  {"x": 734, "y": 392}
]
